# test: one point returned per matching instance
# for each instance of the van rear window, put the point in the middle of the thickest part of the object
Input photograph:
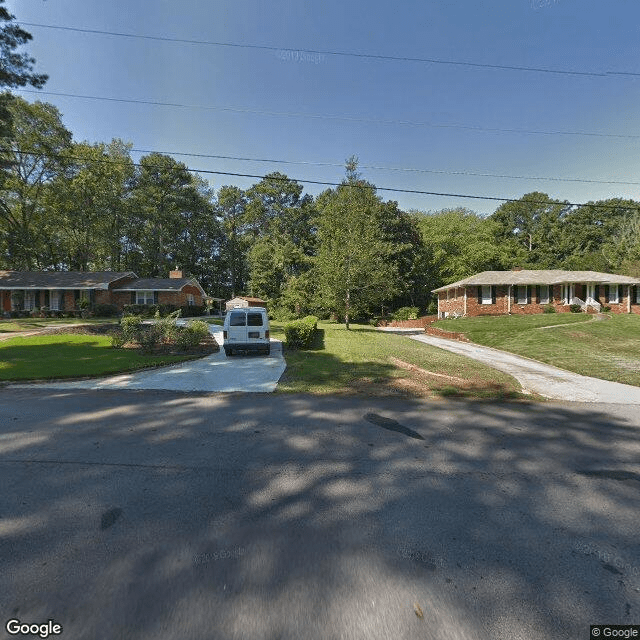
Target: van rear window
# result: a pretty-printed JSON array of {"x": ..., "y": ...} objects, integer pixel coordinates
[
  {"x": 254, "y": 319},
  {"x": 237, "y": 319}
]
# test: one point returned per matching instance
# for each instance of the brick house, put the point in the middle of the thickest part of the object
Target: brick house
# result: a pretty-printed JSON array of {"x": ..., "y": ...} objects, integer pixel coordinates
[
  {"x": 60, "y": 290},
  {"x": 528, "y": 291}
]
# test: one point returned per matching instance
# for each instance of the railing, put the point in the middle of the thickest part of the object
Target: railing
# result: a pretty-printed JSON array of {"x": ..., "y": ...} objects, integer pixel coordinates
[{"x": 584, "y": 305}]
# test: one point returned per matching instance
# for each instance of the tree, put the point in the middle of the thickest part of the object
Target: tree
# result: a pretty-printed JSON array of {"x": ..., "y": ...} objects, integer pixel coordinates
[
  {"x": 40, "y": 143},
  {"x": 353, "y": 264},
  {"x": 460, "y": 243}
]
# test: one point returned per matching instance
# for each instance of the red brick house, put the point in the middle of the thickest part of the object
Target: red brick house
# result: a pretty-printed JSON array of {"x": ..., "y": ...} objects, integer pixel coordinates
[
  {"x": 526, "y": 292},
  {"x": 60, "y": 290}
]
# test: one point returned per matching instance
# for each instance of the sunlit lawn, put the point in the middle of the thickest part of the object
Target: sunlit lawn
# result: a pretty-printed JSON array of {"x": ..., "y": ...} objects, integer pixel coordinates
[
  {"x": 607, "y": 349},
  {"x": 34, "y": 324},
  {"x": 70, "y": 356},
  {"x": 365, "y": 360}
]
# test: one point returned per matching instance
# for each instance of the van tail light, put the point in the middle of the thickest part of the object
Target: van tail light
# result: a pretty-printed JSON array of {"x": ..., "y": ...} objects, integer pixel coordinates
[
  {"x": 224, "y": 335},
  {"x": 266, "y": 333}
]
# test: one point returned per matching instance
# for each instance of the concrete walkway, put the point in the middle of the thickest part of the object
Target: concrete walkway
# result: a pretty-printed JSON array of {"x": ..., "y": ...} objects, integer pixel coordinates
[
  {"x": 544, "y": 379},
  {"x": 257, "y": 374}
]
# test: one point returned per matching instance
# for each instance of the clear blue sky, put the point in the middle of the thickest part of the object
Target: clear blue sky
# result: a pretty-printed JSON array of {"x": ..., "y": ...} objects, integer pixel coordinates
[{"x": 240, "y": 84}]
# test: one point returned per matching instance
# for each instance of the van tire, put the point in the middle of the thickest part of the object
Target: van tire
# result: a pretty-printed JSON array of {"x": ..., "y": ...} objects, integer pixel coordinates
[{"x": 228, "y": 352}]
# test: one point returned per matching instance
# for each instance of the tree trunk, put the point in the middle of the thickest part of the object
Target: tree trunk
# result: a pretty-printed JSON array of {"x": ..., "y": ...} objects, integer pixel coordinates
[{"x": 346, "y": 310}]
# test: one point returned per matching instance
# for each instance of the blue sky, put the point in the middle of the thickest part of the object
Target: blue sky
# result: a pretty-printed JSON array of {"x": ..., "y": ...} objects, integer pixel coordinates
[{"x": 259, "y": 102}]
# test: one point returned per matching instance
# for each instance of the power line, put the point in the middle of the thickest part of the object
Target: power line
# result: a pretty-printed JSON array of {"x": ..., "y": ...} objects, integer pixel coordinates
[
  {"x": 350, "y": 54},
  {"x": 338, "y": 184},
  {"x": 377, "y": 168},
  {"x": 334, "y": 117}
]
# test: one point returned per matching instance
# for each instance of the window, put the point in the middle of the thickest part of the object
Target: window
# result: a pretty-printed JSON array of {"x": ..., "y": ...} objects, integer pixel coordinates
[
  {"x": 144, "y": 297},
  {"x": 254, "y": 319},
  {"x": 54, "y": 300},
  {"x": 486, "y": 295},
  {"x": 29, "y": 300},
  {"x": 544, "y": 294},
  {"x": 637, "y": 294},
  {"x": 522, "y": 294},
  {"x": 191, "y": 300},
  {"x": 613, "y": 293},
  {"x": 238, "y": 319}
]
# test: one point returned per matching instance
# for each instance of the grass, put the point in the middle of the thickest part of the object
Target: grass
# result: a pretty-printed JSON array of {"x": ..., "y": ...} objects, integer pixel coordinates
[
  {"x": 70, "y": 356},
  {"x": 367, "y": 361},
  {"x": 608, "y": 349}
]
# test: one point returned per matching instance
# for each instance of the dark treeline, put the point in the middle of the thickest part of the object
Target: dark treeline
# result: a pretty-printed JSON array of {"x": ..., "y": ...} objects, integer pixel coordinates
[{"x": 66, "y": 205}]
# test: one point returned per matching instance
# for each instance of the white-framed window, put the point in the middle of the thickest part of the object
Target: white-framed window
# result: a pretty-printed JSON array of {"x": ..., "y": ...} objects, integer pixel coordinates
[
  {"x": 486, "y": 297},
  {"x": 54, "y": 300},
  {"x": 613, "y": 293},
  {"x": 638, "y": 294},
  {"x": 191, "y": 299},
  {"x": 29, "y": 300},
  {"x": 544, "y": 294},
  {"x": 521, "y": 294},
  {"x": 144, "y": 297}
]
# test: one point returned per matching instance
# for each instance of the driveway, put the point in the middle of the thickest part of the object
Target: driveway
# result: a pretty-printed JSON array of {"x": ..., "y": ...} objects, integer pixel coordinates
[
  {"x": 544, "y": 379},
  {"x": 257, "y": 374}
]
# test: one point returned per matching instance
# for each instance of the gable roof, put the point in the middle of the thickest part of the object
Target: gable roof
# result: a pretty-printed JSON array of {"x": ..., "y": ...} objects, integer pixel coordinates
[
  {"x": 160, "y": 284},
  {"x": 539, "y": 276},
  {"x": 247, "y": 299},
  {"x": 61, "y": 279}
]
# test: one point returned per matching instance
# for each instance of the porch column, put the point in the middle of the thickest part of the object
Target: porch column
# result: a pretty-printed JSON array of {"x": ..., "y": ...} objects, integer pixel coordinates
[
  {"x": 438, "y": 294},
  {"x": 628, "y": 298},
  {"x": 465, "y": 301},
  {"x": 509, "y": 298}
]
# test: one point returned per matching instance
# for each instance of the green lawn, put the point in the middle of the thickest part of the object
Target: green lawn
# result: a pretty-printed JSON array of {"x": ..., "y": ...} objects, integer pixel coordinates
[
  {"x": 70, "y": 356},
  {"x": 607, "y": 349},
  {"x": 365, "y": 360}
]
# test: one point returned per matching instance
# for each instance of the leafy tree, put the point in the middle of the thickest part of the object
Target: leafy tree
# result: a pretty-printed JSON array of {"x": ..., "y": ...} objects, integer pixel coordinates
[
  {"x": 38, "y": 157},
  {"x": 354, "y": 262},
  {"x": 461, "y": 243}
]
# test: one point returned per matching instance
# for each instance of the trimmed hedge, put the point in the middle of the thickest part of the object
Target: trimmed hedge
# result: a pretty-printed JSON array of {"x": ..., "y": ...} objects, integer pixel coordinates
[{"x": 299, "y": 334}]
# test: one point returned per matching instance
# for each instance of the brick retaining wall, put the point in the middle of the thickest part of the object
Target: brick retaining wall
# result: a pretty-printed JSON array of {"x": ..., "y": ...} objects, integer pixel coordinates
[{"x": 441, "y": 333}]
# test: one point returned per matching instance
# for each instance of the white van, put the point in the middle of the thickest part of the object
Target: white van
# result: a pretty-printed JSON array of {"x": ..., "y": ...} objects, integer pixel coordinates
[{"x": 246, "y": 329}]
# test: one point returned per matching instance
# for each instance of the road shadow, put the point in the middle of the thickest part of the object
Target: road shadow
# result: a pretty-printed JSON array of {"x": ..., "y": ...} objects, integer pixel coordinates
[{"x": 151, "y": 514}]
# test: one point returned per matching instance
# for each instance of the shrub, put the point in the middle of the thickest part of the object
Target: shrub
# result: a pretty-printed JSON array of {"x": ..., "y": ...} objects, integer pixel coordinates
[
  {"x": 142, "y": 310},
  {"x": 406, "y": 313},
  {"x": 105, "y": 310},
  {"x": 548, "y": 308},
  {"x": 190, "y": 336},
  {"x": 131, "y": 328},
  {"x": 117, "y": 339},
  {"x": 575, "y": 308},
  {"x": 604, "y": 308},
  {"x": 149, "y": 337},
  {"x": 167, "y": 326},
  {"x": 300, "y": 333},
  {"x": 190, "y": 311}
]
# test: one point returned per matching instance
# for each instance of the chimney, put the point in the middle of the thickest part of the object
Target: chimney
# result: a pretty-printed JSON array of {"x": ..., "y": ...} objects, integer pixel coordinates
[{"x": 176, "y": 274}]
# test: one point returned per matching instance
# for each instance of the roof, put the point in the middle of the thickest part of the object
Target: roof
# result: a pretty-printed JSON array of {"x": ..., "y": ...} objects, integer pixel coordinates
[
  {"x": 61, "y": 279},
  {"x": 541, "y": 276},
  {"x": 160, "y": 284},
  {"x": 247, "y": 299}
]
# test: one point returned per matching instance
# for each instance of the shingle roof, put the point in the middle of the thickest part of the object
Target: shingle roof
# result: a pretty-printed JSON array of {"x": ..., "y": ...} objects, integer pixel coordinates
[
  {"x": 543, "y": 276},
  {"x": 159, "y": 284},
  {"x": 61, "y": 279}
]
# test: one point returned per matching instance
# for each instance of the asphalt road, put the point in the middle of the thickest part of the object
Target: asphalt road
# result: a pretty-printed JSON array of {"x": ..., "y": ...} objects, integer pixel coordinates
[{"x": 157, "y": 515}]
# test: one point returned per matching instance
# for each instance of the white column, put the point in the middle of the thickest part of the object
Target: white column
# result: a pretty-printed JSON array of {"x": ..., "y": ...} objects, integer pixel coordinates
[
  {"x": 628, "y": 298},
  {"x": 509, "y": 299},
  {"x": 465, "y": 301}
]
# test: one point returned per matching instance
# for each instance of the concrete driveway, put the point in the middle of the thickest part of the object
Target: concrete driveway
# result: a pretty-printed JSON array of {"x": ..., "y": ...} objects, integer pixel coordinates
[
  {"x": 217, "y": 372},
  {"x": 544, "y": 379}
]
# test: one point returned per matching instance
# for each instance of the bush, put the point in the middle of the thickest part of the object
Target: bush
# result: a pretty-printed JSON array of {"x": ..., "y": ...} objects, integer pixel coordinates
[
  {"x": 167, "y": 326},
  {"x": 142, "y": 310},
  {"x": 300, "y": 333},
  {"x": 131, "y": 328},
  {"x": 406, "y": 313},
  {"x": 604, "y": 308},
  {"x": 149, "y": 337},
  {"x": 117, "y": 339},
  {"x": 191, "y": 311},
  {"x": 190, "y": 336},
  {"x": 548, "y": 308},
  {"x": 105, "y": 310},
  {"x": 575, "y": 308}
]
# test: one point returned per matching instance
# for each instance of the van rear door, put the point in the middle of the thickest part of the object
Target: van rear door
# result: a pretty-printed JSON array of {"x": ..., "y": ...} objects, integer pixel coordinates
[
  {"x": 237, "y": 327},
  {"x": 255, "y": 328}
]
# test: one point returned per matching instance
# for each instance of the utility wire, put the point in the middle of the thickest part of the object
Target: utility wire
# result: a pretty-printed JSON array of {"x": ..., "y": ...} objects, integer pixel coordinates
[
  {"x": 350, "y": 54},
  {"x": 377, "y": 168},
  {"x": 359, "y": 185},
  {"x": 335, "y": 117}
]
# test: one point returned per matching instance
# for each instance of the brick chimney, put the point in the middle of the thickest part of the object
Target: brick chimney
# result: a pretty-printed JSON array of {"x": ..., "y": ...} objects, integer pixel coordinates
[{"x": 176, "y": 274}]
